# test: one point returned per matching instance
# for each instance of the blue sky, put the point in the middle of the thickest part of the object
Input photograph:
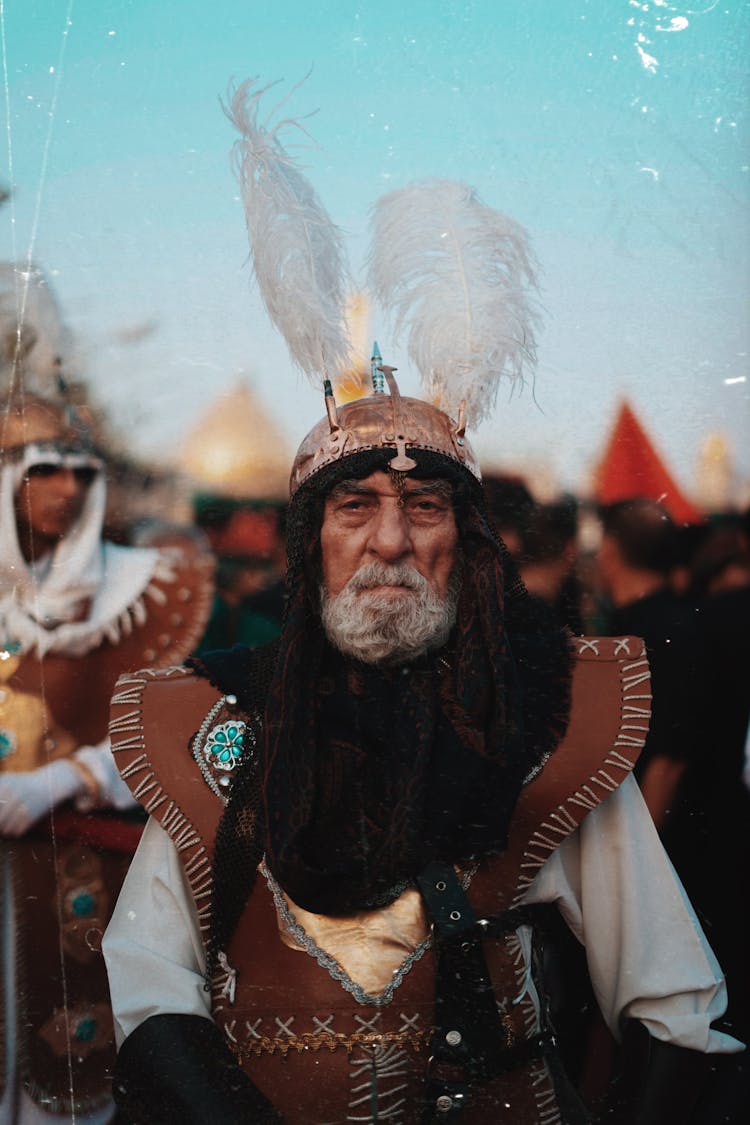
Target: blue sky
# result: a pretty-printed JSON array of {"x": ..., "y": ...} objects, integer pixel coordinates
[{"x": 615, "y": 131}]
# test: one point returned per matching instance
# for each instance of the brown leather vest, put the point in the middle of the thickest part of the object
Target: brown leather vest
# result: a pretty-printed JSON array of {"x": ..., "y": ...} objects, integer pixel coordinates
[{"x": 320, "y": 1049}]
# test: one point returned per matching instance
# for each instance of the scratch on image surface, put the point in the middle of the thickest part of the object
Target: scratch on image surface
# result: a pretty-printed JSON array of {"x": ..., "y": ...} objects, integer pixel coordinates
[{"x": 21, "y": 302}]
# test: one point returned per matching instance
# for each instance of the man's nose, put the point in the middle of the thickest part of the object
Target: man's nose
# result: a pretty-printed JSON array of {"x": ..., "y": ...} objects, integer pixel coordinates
[
  {"x": 390, "y": 535},
  {"x": 67, "y": 483}
]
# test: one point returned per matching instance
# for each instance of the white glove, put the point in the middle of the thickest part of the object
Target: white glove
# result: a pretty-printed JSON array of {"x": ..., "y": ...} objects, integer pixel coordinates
[
  {"x": 24, "y": 797},
  {"x": 112, "y": 792}
]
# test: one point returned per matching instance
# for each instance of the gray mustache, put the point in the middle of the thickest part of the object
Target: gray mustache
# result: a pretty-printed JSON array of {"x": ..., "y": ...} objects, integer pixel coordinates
[{"x": 381, "y": 574}]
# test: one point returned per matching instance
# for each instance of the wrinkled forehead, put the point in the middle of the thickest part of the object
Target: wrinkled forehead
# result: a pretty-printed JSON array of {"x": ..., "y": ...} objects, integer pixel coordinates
[
  {"x": 393, "y": 484},
  {"x": 308, "y": 505}
]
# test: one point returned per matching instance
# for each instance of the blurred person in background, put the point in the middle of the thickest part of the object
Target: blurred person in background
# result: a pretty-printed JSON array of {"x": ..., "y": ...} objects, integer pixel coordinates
[
  {"x": 721, "y": 561},
  {"x": 689, "y": 538},
  {"x": 75, "y": 612},
  {"x": 510, "y": 505},
  {"x": 691, "y": 769},
  {"x": 549, "y": 557},
  {"x": 708, "y": 837},
  {"x": 247, "y": 539},
  {"x": 636, "y": 556}
]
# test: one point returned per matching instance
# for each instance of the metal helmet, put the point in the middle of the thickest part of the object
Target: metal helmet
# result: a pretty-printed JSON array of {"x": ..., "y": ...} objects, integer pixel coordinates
[
  {"x": 36, "y": 430},
  {"x": 382, "y": 421}
]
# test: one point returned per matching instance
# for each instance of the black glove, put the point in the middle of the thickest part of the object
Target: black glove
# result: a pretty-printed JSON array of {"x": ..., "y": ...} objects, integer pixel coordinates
[
  {"x": 654, "y": 1083},
  {"x": 178, "y": 1070}
]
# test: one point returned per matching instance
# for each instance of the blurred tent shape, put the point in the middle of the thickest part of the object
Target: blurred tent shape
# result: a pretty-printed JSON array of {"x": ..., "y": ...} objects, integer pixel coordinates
[
  {"x": 715, "y": 474},
  {"x": 631, "y": 467},
  {"x": 236, "y": 450}
]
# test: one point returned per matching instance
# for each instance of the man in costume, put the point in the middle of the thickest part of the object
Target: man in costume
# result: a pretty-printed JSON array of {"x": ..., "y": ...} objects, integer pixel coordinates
[
  {"x": 400, "y": 802},
  {"x": 75, "y": 612},
  {"x": 335, "y": 913}
]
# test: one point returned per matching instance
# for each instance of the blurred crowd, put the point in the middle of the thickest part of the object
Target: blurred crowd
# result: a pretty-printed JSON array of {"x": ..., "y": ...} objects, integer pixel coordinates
[{"x": 628, "y": 568}]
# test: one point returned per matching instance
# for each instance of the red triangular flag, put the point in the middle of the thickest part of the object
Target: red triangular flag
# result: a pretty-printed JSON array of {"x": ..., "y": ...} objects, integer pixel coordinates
[{"x": 631, "y": 467}]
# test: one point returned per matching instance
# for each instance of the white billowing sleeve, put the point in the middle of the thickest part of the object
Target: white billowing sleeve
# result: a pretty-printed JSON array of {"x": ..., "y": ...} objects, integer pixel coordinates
[
  {"x": 648, "y": 957},
  {"x": 152, "y": 946}
]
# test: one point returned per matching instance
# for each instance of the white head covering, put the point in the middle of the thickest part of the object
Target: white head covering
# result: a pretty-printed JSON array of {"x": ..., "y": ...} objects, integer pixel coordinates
[{"x": 39, "y": 602}]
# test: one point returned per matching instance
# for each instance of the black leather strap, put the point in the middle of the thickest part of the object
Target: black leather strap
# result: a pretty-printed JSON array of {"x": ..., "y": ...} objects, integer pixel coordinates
[
  {"x": 449, "y": 909},
  {"x": 470, "y": 1043}
]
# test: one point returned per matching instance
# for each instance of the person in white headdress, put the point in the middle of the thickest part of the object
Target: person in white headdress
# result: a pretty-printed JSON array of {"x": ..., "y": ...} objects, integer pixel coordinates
[{"x": 75, "y": 612}]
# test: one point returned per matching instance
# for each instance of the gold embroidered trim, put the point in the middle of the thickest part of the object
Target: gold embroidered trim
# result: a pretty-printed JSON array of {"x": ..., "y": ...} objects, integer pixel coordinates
[{"x": 330, "y": 1041}]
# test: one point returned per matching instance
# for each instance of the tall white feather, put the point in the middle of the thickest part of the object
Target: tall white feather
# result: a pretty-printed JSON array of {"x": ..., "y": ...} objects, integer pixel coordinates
[
  {"x": 297, "y": 252},
  {"x": 461, "y": 276}
]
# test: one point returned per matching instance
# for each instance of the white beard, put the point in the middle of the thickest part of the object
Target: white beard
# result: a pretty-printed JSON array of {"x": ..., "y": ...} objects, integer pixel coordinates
[{"x": 386, "y": 628}]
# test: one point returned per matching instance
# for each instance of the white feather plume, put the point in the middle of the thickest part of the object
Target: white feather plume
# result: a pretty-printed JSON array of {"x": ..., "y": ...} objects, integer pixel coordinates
[
  {"x": 461, "y": 276},
  {"x": 297, "y": 252}
]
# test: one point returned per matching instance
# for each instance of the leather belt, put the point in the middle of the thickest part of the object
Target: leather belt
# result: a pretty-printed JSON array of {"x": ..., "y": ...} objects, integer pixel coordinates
[{"x": 470, "y": 1043}]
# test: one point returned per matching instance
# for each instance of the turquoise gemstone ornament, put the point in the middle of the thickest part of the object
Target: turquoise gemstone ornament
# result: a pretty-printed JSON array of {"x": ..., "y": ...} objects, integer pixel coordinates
[
  {"x": 83, "y": 904},
  {"x": 7, "y": 743},
  {"x": 85, "y": 1030},
  {"x": 224, "y": 745}
]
